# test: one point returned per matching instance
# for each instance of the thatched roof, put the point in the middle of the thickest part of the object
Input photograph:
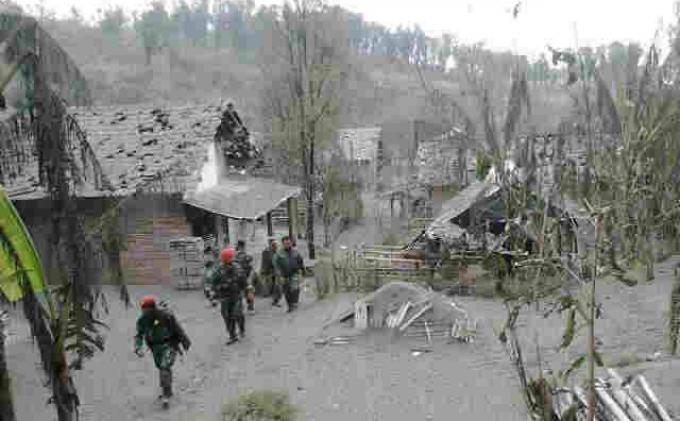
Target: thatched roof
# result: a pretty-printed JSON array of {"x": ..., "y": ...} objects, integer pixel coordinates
[{"x": 242, "y": 197}]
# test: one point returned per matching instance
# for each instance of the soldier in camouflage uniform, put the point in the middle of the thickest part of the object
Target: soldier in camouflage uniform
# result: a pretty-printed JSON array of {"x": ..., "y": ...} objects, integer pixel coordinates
[
  {"x": 161, "y": 332},
  {"x": 245, "y": 263},
  {"x": 228, "y": 285}
]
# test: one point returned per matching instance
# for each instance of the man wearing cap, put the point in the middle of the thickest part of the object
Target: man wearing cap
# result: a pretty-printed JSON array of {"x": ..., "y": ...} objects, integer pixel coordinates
[
  {"x": 163, "y": 335},
  {"x": 227, "y": 286}
]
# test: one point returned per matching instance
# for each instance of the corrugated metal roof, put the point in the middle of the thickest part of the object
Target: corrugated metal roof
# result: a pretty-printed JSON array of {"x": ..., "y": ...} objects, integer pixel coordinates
[
  {"x": 242, "y": 197},
  {"x": 442, "y": 226}
]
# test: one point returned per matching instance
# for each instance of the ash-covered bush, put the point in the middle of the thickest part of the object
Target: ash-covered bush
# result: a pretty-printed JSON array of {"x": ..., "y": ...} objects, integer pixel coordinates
[{"x": 264, "y": 405}]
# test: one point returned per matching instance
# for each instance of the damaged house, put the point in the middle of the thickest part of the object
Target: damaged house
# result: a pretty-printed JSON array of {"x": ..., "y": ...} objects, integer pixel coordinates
[
  {"x": 445, "y": 163},
  {"x": 151, "y": 157},
  {"x": 475, "y": 219}
]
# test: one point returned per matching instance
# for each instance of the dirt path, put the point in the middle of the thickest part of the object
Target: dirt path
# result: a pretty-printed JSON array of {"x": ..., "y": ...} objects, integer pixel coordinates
[{"x": 374, "y": 378}]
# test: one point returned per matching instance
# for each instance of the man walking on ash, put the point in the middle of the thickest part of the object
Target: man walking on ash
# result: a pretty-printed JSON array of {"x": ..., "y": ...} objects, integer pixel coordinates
[
  {"x": 267, "y": 275},
  {"x": 288, "y": 266},
  {"x": 227, "y": 285},
  {"x": 244, "y": 261},
  {"x": 163, "y": 335}
]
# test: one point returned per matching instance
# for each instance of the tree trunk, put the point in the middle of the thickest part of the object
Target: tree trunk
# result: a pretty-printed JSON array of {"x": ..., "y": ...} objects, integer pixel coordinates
[
  {"x": 310, "y": 202},
  {"x": 64, "y": 396},
  {"x": 326, "y": 231},
  {"x": 6, "y": 403},
  {"x": 68, "y": 246},
  {"x": 592, "y": 402},
  {"x": 591, "y": 355},
  {"x": 147, "y": 55}
]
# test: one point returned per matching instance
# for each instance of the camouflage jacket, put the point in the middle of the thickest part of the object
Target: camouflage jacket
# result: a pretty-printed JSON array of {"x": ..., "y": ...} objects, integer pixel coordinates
[
  {"x": 160, "y": 328},
  {"x": 244, "y": 261},
  {"x": 227, "y": 282}
]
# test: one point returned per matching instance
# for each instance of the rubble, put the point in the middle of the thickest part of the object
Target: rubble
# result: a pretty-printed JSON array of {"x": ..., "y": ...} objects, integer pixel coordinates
[
  {"x": 413, "y": 311},
  {"x": 239, "y": 152}
]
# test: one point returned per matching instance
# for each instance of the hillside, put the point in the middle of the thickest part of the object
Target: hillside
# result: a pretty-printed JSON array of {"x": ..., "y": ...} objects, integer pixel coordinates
[{"x": 379, "y": 89}]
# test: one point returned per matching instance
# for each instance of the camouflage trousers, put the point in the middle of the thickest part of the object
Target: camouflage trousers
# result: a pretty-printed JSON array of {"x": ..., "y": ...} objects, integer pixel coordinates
[
  {"x": 232, "y": 314},
  {"x": 164, "y": 358}
]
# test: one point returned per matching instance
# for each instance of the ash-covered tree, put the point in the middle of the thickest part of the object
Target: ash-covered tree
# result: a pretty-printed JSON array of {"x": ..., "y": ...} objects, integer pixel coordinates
[
  {"x": 304, "y": 63},
  {"x": 631, "y": 211},
  {"x": 154, "y": 29},
  {"x": 112, "y": 21}
]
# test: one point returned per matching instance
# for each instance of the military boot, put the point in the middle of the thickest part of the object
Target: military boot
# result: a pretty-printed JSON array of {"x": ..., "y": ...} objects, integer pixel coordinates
[{"x": 166, "y": 387}]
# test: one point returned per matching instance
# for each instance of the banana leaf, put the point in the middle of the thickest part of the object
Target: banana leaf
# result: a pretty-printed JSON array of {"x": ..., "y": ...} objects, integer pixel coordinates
[{"x": 19, "y": 260}]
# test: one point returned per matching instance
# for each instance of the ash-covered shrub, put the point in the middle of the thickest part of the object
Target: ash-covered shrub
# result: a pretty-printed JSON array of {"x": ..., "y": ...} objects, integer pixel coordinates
[{"x": 263, "y": 405}]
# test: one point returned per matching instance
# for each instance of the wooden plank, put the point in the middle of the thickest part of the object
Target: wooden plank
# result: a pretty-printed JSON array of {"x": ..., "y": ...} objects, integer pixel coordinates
[
  {"x": 402, "y": 313},
  {"x": 415, "y": 317},
  {"x": 270, "y": 226}
]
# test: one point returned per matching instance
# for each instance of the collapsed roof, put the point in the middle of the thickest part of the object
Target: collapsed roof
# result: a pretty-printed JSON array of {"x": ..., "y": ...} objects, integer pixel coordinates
[{"x": 445, "y": 226}]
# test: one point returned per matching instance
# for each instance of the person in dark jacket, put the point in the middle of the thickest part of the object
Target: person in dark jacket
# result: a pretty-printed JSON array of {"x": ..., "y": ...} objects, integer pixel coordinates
[
  {"x": 227, "y": 286},
  {"x": 288, "y": 265},
  {"x": 233, "y": 121},
  {"x": 162, "y": 333}
]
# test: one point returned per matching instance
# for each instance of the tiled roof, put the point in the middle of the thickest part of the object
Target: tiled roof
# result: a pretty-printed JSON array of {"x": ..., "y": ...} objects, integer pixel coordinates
[
  {"x": 360, "y": 144},
  {"x": 134, "y": 144}
]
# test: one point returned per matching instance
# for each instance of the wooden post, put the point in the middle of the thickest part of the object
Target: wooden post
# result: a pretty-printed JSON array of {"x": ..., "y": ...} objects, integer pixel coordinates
[
  {"x": 392, "y": 206},
  {"x": 291, "y": 217},
  {"x": 225, "y": 229},
  {"x": 242, "y": 233},
  {"x": 270, "y": 227}
]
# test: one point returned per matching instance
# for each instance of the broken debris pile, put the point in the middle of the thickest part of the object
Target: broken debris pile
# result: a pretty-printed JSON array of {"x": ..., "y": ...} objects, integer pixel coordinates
[
  {"x": 617, "y": 399},
  {"x": 239, "y": 152},
  {"x": 414, "y": 312}
]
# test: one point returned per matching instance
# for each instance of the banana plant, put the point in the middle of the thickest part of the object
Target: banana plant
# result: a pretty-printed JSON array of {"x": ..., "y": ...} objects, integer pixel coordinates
[
  {"x": 20, "y": 271},
  {"x": 63, "y": 323},
  {"x": 22, "y": 278}
]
